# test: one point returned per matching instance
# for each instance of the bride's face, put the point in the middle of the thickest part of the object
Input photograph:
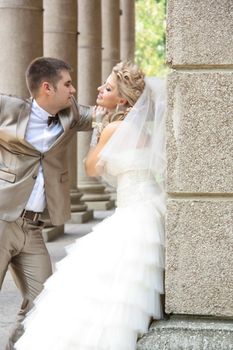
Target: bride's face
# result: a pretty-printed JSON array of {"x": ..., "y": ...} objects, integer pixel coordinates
[{"x": 108, "y": 96}]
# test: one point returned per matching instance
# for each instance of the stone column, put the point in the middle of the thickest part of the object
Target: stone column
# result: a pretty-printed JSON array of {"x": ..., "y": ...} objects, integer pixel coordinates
[
  {"x": 60, "y": 40},
  {"x": 21, "y": 37},
  {"x": 110, "y": 11},
  {"x": 89, "y": 78},
  {"x": 199, "y": 230},
  {"x": 127, "y": 30}
]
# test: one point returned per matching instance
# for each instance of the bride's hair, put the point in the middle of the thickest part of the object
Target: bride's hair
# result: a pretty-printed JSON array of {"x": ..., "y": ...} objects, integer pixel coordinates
[{"x": 130, "y": 81}]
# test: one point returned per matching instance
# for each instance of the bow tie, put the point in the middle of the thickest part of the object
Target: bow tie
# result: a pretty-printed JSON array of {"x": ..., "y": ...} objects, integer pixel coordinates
[{"x": 52, "y": 119}]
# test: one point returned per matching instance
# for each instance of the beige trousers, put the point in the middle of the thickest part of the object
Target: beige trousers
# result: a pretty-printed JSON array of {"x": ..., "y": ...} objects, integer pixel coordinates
[{"x": 23, "y": 251}]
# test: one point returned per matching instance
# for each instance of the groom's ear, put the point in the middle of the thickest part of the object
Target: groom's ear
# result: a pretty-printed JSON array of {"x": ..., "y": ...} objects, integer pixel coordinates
[{"x": 47, "y": 88}]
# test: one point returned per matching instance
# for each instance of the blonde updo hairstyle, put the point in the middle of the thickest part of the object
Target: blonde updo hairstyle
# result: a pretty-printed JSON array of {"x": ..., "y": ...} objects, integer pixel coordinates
[
  {"x": 130, "y": 81},
  {"x": 130, "y": 84}
]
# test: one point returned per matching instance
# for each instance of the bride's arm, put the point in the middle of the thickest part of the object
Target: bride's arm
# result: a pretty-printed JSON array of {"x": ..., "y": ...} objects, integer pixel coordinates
[{"x": 93, "y": 154}]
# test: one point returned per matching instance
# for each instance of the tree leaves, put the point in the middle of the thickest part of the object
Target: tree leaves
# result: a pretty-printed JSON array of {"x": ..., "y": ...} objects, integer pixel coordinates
[{"x": 150, "y": 36}]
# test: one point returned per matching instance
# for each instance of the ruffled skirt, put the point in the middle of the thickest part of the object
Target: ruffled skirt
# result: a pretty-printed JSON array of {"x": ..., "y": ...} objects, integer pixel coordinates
[{"x": 105, "y": 291}]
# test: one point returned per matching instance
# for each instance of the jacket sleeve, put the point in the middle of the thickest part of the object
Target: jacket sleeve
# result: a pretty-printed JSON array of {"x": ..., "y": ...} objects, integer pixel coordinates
[
  {"x": 85, "y": 117},
  {"x": 0, "y": 109}
]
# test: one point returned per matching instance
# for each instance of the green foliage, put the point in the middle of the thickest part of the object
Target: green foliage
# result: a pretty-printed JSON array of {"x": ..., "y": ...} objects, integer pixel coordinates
[{"x": 150, "y": 36}]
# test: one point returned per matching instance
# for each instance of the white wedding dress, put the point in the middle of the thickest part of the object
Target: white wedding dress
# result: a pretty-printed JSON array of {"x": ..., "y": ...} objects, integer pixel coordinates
[{"x": 105, "y": 291}]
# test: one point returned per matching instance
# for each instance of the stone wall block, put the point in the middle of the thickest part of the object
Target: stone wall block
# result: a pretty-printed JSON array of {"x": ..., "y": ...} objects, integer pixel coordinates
[
  {"x": 186, "y": 333},
  {"x": 198, "y": 256},
  {"x": 200, "y": 33},
  {"x": 200, "y": 132}
]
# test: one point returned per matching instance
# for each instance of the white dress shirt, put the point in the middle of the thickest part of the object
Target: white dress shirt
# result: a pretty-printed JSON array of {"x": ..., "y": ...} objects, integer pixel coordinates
[{"x": 42, "y": 137}]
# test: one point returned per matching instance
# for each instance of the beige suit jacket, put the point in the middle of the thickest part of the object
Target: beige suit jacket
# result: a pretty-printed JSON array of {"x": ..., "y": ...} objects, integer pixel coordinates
[{"x": 20, "y": 161}]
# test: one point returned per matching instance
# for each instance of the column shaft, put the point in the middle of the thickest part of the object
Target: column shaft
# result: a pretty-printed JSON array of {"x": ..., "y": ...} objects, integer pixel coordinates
[
  {"x": 89, "y": 78},
  {"x": 110, "y": 11},
  {"x": 21, "y": 37},
  {"x": 127, "y": 30}
]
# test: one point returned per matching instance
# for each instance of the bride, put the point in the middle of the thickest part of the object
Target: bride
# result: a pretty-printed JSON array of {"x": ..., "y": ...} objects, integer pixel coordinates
[{"x": 108, "y": 287}]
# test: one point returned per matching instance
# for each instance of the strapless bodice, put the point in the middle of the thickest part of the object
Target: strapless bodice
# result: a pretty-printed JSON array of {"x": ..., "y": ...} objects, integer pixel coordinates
[
  {"x": 136, "y": 186},
  {"x": 135, "y": 182}
]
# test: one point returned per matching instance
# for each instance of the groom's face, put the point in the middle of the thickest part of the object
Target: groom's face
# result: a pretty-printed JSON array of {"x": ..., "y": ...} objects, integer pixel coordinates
[{"x": 62, "y": 93}]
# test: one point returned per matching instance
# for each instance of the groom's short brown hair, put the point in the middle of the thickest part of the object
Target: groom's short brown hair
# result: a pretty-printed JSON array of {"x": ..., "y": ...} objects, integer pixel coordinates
[{"x": 44, "y": 69}]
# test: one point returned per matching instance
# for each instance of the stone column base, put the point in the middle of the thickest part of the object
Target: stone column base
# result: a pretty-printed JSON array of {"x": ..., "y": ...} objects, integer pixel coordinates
[
  {"x": 100, "y": 205},
  {"x": 81, "y": 217},
  {"x": 112, "y": 193},
  {"x": 94, "y": 195},
  {"x": 79, "y": 210},
  {"x": 188, "y": 333}
]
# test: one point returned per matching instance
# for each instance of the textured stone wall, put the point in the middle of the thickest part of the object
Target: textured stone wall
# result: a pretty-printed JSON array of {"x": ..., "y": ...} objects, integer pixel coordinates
[
  {"x": 200, "y": 33},
  {"x": 199, "y": 277}
]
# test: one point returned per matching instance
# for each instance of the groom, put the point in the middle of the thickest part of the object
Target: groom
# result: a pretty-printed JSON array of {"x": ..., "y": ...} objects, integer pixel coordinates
[{"x": 34, "y": 135}]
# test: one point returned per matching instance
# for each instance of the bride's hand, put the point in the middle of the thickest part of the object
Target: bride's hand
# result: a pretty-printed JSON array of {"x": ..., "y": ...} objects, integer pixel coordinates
[{"x": 99, "y": 113}]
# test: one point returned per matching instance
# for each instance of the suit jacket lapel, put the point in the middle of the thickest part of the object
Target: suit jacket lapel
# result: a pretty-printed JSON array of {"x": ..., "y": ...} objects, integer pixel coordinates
[
  {"x": 64, "y": 120},
  {"x": 23, "y": 121},
  {"x": 65, "y": 123},
  {"x": 24, "y": 118}
]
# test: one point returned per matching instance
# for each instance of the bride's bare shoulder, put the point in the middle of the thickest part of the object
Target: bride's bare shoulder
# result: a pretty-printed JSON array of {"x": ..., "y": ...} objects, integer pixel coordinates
[{"x": 110, "y": 129}]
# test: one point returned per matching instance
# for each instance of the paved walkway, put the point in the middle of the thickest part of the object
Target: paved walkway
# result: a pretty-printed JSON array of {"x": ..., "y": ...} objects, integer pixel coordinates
[{"x": 10, "y": 298}]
